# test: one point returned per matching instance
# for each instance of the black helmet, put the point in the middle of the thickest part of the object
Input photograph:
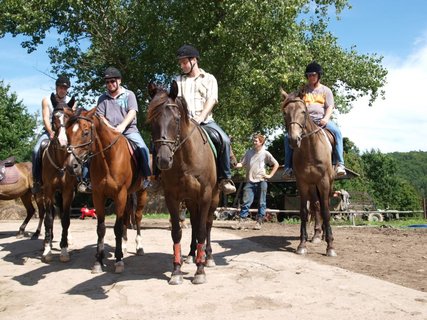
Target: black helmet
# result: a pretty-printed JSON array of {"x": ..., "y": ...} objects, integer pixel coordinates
[
  {"x": 187, "y": 51},
  {"x": 314, "y": 67},
  {"x": 63, "y": 81},
  {"x": 112, "y": 72}
]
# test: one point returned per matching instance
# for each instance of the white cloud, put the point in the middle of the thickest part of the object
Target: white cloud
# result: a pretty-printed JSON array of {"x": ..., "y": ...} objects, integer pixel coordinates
[{"x": 398, "y": 123}]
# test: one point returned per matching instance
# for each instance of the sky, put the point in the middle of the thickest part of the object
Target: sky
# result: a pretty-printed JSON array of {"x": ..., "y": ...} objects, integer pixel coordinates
[{"x": 394, "y": 29}]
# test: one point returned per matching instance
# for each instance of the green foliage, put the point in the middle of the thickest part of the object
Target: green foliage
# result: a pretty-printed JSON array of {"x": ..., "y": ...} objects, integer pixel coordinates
[
  {"x": 252, "y": 47},
  {"x": 16, "y": 126},
  {"x": 389, "y": 190},
  {"x": 412, "y": 166}
]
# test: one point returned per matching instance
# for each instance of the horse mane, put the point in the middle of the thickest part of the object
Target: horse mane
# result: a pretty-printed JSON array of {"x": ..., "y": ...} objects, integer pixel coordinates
[{"x": 74, "y": 117}]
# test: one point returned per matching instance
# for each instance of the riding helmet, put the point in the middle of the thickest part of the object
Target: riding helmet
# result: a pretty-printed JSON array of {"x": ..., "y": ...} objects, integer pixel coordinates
[
  {"x": 112, "y": 72},
  {"x": 187, "y": 51},
  {"x": 314, "y": 67},
  {"x": 63, "y": 81}
]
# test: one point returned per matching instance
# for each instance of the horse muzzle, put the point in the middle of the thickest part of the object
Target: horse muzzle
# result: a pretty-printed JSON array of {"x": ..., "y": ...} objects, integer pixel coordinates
[
  {"x": 73, "y": 167},
  {"x": 295, "y": 142},
  {"x": 164, "y": 158}
]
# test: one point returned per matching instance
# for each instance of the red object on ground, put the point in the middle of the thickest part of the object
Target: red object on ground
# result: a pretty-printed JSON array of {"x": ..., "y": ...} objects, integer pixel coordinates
[{"x": 91, "y": 213}]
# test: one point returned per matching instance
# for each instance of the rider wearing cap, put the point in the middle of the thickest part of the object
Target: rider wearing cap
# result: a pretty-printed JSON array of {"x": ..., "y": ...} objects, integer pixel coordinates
[
  {"x": 320, "y": 104},
  {"x": 200, "y": 90},
  {"x": 62, "y": 84},
  {"x": 117, "y": 108}
]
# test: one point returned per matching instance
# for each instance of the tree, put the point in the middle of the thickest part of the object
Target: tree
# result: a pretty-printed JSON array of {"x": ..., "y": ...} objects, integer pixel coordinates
[
  {"x": 252, "y": 47},
  {"x": 388, "y": 190},
  {"x": 16, "y": 126}
]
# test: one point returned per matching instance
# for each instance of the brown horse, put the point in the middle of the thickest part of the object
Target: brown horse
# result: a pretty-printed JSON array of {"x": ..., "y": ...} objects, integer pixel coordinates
[
  {"x": 188, "y": 174},
  {"x": 56, "y": 179},
  {"x": 17, "y": 183},
  {"x": 113, "y": 173},
  {"x": 312, "y": 159}
]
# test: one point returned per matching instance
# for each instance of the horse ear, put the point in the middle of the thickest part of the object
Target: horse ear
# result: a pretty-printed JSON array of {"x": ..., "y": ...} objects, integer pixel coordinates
[
  {"x": 174, "y": 90},
  {"x": 284, "y": 94},
  {"x": 53, "y": 100},
  {"x": 152, "y": 89},
  {"x": 71, "y": 103}
]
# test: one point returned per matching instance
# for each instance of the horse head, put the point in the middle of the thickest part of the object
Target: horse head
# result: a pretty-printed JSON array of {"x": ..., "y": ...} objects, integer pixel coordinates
[
  {"x": 295, "y": 115},
  {"x": 59, "y": 118},
  {"x": 168, "y": 117},
  {"x": 80, "y": 134}
]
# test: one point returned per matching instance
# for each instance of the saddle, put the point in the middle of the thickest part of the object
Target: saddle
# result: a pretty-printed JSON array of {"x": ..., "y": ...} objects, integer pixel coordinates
[
  {"x": 8, "y": 172},
  {"x": 215, "y": 141}
]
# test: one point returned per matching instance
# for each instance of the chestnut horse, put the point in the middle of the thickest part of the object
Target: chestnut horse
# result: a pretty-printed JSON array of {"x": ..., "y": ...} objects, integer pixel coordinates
[
  {"x": 58, "y": 185},
  {"x": 114, "y": 175},
  {"x": 312, "y": 159},
  {"x": 188, "y": 174},
  {"x": 17, "y": 183}
]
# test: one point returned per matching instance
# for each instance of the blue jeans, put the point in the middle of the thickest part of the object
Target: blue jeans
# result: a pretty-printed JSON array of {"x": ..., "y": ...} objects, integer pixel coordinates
[
  {"x": 338, "y": 155},
  {"x": 224, "y": 171},
  {"x": 142, "y": 150},
  {"x": 37, "y": 158},
  {"x": 249, "y": 191}
]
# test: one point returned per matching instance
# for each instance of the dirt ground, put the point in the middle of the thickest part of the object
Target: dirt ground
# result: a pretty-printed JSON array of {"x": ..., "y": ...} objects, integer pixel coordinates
[
  {"x": 395, "y": 255},
  {"x": 257, "y": 276}
]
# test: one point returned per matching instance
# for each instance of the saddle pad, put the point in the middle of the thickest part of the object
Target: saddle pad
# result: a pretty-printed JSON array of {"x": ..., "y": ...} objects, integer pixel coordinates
[
  {"x": 11, "y": 175},
  {"x": 210, "y": 143}
]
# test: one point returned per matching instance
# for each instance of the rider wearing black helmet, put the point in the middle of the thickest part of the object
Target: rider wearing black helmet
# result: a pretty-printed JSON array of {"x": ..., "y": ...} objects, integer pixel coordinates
[
  {"x": 62, "y": 84},
  {"x": 200, "y": 90},
  {"x": 118, "y": 108},
  {"x": 320, "y": 103}
]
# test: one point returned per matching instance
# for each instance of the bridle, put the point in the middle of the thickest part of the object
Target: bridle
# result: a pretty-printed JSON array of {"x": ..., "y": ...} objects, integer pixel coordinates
[
  {"x": 303, "y": 126},
  {"x": 175, "y": 144},
  {"x": 89, "y": 154}
]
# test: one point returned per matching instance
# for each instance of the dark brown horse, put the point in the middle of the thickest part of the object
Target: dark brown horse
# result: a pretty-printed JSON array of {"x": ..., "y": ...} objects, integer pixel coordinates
[
  {"x": 17, "y": 183},
  {"x": 188, "y": 174},
  {"x": 114, "y": 175},
  {"x": 312, "y": 161},
  {"x": 58, "y": 185}
]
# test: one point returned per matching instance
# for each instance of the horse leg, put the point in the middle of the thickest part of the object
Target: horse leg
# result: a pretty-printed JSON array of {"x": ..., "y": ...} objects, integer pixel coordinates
[
  {"x": 42, "y": 212},
  {"x": 191, "y": 257},
  {"x": 141, "y": 202},
  {"x": 120, "y": 202},
  {"x": 302, "y": 247},
  {"x": 326, "y": 215},
  {"x": 67, "y": 197},
  {"x": 176, "y": 232},
  {"x": 210, "y": 262},
  {"x": 26, "y": 200},
  {"x": 315, "y": 211},
  {"x": 201, "y": 223},
  {"x": 48, "y": 224},
  {"x": 99, "y": 203}
]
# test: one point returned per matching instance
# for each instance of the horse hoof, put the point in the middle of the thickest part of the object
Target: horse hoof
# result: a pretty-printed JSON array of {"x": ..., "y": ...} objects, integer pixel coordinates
[
  {"x": 19, "y": 235},
  {"x": 120, "y": 267},
  {"x": 140, "y": 252},
  {"x": 210, "y": 263},
  {"x": 316, "y": 240},
  {"x": 47, "y": 258},
  {"x": 302, "y": 251},
  {"x": 35, "y": 236},
  {"x": 199, "y": 279},
  {"x": 189, "y": 260},
  {"x": 176, "y": 280},
  {"x": 64, "y": 258},
  {"x": 331, "y": 253},
  {"x": 97, "y": 268}
]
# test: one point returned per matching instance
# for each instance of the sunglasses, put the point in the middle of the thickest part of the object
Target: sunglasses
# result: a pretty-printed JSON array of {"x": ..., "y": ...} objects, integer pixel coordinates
[
  {"x": 110, "y": 81},
  {"x": 311, "y": 74}
]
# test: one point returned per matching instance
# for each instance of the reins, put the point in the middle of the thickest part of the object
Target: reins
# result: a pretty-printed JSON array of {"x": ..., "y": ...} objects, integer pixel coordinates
[
  {"x": 177, "y": 143},
  {"x": 303, "y": 126},
  {"x": 89, "y": 155}
]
